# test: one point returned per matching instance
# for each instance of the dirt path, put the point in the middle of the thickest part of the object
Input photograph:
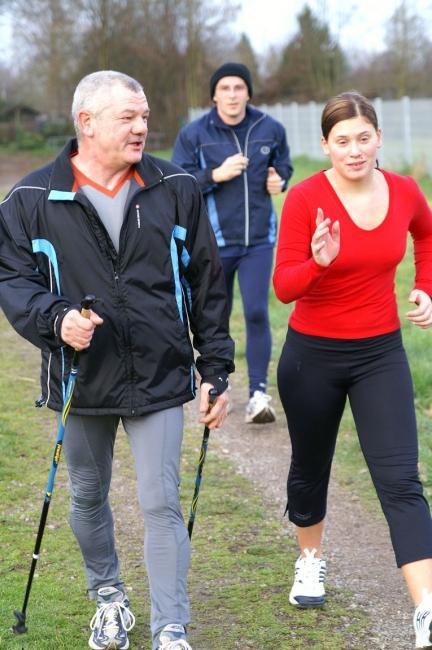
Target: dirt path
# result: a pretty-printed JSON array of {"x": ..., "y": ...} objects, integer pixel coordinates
[
  {"x": 358, "y": 551},
  {"x": 15, "y": 166}
]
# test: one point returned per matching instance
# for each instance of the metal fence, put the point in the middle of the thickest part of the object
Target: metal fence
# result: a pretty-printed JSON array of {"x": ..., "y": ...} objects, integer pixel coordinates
[{"x": 406, "y": 124}]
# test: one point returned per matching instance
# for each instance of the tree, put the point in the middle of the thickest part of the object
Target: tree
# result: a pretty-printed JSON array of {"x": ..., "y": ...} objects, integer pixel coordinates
[
  {"x": 206, "y": 41},
  {"x": 170, "y": 46},
  {"x": 244, "y": 53},
  {"x": 312, "y": 64},
  {"x": 404, "y": 67},
  {"x": 45, "y": 41},
  {"x": 406, "y": 45}
]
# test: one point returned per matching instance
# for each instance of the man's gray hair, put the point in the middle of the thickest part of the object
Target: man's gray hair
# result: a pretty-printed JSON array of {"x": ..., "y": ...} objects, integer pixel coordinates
[{"x": 87, "y": 95}]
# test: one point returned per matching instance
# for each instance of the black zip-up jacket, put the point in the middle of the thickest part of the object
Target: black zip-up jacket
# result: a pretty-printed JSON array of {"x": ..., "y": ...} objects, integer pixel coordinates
[{"x": 165, "y": 280}]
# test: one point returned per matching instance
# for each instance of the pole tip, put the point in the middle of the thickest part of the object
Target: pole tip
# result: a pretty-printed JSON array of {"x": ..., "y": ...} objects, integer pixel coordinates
[{"x": 20, "y": 626}]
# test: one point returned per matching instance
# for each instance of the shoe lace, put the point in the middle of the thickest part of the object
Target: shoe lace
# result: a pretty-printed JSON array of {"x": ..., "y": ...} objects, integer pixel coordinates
[
  {"x": 310, "y": 569},
  {"x": 261, "y": 398},
  {"x": 108, "y": 616}
]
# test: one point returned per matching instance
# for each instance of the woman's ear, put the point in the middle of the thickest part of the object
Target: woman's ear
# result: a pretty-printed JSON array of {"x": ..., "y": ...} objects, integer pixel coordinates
[{"x": 324, "y": 145}]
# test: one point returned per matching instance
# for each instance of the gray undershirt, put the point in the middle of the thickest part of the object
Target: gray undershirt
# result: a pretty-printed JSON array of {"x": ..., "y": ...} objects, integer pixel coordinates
[{"x": 110, "y": 209}]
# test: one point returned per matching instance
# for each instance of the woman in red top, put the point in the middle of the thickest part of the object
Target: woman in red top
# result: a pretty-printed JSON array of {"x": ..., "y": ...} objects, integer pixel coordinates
[{"x": 342, "y": 235}]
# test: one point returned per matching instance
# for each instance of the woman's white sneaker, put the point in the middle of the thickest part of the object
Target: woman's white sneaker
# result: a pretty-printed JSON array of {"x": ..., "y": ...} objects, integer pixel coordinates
[
  {"x": 308, "y": 588},
  {"x": 423, "y": 621}
]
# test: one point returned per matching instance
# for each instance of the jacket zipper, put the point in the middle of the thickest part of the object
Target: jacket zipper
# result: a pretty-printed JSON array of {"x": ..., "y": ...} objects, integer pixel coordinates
[
  {"x": 245, "y": 183},
  {"x": 132, "y": 199},
  {"x": 126, "y": 332},
  {"x": 115, "y": 258}
]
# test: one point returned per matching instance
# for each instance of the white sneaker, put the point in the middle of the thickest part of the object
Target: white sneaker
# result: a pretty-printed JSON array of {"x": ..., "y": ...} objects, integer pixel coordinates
[
  {"x": 423, "y": 621},
  {"x": 258, "y": 409},
  {"x": 112, "y": 621},
  {"x": 308, "y": 588},
  {"x": 173, "y": 637}
]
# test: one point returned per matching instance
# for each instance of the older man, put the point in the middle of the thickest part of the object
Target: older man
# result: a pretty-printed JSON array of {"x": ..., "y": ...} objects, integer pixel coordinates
[
  {"x": 106, "y": 219},
  {"x": 240, "y": 158}
]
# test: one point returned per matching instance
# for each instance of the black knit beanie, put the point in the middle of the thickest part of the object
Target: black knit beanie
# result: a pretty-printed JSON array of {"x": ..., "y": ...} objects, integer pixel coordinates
[{"x": 231, "y": 70}]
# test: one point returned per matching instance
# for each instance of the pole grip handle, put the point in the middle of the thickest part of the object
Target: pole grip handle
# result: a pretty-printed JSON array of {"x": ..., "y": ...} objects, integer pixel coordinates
[
  {"x": 86, "y": 304},
  {"x": 212, "y": 396}
]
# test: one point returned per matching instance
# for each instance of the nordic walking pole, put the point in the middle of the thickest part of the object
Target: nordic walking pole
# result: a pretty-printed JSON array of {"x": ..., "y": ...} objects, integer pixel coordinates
[
  {"x": 211, "y": 400},
  {"x": 20, "y": 626}
]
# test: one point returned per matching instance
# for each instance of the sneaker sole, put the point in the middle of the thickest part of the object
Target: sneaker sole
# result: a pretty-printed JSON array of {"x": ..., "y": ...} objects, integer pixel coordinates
[
  {"x": 263, "y": 417},
  {"x": 429, "y": 646},
  {"x": 307, "y": 602}
]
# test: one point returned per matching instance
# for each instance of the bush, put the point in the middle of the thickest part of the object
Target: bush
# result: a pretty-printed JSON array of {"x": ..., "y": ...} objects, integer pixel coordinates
[
  {"x": 27, "y": 140},
  {"x": 59, "y": 128}
]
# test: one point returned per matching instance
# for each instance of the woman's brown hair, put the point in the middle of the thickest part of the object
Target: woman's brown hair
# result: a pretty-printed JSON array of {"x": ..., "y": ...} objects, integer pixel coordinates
[{"x": 344, "y": 107}]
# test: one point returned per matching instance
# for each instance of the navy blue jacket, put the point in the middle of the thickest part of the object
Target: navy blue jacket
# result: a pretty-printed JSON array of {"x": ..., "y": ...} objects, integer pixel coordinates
[
  {"x": 165, "y": 280},
  {"x": 240, "y": 210}
]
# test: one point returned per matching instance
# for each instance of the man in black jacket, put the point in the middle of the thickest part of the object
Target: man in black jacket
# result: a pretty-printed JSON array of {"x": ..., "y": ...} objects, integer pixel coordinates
[
  {"x": 240, "y": 159},
  {"x": 106, "y": 219}
]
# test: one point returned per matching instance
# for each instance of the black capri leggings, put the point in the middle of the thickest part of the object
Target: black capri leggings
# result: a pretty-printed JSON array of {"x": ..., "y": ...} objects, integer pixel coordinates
[{"x": 315, "y": 376}]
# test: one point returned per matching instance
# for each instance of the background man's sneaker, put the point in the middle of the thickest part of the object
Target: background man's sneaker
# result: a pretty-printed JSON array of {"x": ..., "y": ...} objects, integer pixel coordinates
[
  {"x": 173, "y": 637},
  {"x": 308, "y": 588},
  {"x": 112, "y": 621},
  {"x": 423, "y": 621},
  {"x": 258, "y": 409}
]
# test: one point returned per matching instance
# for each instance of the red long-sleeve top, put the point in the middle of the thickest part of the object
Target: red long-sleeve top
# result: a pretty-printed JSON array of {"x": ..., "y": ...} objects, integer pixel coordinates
[{"x": 354, "y": 297}]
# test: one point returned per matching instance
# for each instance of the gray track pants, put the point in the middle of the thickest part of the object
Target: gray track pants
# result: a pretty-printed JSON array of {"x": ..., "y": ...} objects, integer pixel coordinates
[{"x": 155, "y": 441}]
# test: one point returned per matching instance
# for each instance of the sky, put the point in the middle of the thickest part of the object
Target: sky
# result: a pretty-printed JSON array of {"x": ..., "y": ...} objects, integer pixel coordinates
[
  {"x": 359, "y": 25},
  {"x": 5, "y": 38}
]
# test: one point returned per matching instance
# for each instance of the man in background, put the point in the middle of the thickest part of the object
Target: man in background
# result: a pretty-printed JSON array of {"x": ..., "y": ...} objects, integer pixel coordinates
[{"x": 240, "y": 158}]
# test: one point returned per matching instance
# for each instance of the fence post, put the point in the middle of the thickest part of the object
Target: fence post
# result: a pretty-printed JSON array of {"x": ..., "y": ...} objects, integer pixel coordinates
[
  {"x": 295, "y": 130},
  {"x": 314, "y": 151},
  {"x": 406, "y": 128},
  {"x": 379, "y": 111}
]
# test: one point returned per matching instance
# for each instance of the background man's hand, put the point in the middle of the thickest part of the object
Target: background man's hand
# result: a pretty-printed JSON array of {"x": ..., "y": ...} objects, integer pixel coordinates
[
  {"x": 274, "y": 181},
  {"x": 215, "y": 417},
  {"x": 77, "y": 331},
  {"x": 231, "y": 167}
]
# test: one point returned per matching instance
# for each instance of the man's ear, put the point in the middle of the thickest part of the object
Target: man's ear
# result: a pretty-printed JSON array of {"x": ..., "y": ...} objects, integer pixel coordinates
[{"x": 85, "y": 120}]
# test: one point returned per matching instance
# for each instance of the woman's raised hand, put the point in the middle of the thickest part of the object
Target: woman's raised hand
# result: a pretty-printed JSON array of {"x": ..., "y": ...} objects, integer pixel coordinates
[
  {"x": 422, "y": 314},
  {"x": 325, "y": 243}
]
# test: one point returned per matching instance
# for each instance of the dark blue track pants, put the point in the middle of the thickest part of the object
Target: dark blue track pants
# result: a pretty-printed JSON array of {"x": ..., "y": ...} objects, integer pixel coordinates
[
  {"x": 315, "y": 377},
  {"x": 253, "y": 265}
]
